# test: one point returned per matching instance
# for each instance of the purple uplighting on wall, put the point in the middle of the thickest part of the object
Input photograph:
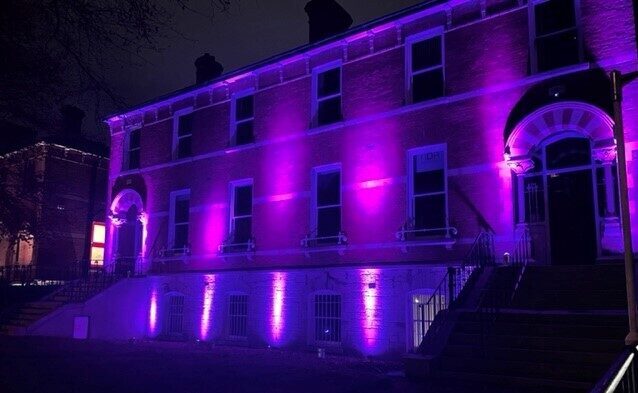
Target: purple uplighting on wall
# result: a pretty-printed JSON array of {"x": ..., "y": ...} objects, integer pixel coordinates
[
  {"x": 278, "y": 297},
  {"x": 152, "y": 314},
  {"x": 369, "y": 279},
  {"x": 209, "y": 293}
]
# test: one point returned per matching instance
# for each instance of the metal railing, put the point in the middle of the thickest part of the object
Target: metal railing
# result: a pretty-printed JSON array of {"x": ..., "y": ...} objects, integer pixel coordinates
[
  {"x": 231, "y": 245},
  {"x": 312, "y": 239},
  {"x": 452, "y": 287},
  {"x": 32, "y": 274},
  {"x": 622, "y": 376},
  {"x": 499, "y": 295},
  {"x": 409, "y": 230}
]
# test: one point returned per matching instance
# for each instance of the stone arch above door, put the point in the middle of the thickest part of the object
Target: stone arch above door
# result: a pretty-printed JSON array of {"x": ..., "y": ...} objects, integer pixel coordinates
[
  {"x": 123, "y": 202},
  {"x": 569, "y": 116}
]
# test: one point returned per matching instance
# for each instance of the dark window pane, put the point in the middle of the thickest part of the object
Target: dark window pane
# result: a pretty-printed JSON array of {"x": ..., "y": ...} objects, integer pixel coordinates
[
  {"x": 329, "y": 83},
  {"x": 428, "y": 182},
  {"x": 554, "y": 15},
  {"x": 568, "y": 152},
  {"x": 427, "y": 85},
  {"x": 429, "y": 212},
  {"x": 244, "y": 108},
  {"x": 244, "y": 133},
  {"x": 328, "y": 221},
  {"x": 426, "y": 54},
  {"x": 185, "y": 125},
  {"x": 558, "y": 50},
  {"x": 329, "y": 111},
  {"x": 184, "y": 147},
  {"x": 134, "y": 139},
  {"x": 134, "y": 159},
  {"x": 243, "y": 201},
  {"x": 181, "y": 210},
  {"x": 181, "y": 236},
  {"x": 243, "y": 229},
  {"x": 328, "y": 189}
]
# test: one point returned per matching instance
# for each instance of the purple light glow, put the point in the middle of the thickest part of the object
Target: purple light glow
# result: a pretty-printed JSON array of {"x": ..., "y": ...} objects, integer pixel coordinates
[
  {"x": 281, "y": 197},
  {"x": 209, "y": 292},
  {"x": 152, "y": 314},
  {"x": 369, "y": 289},
  {"x": 278, "y": 296}
]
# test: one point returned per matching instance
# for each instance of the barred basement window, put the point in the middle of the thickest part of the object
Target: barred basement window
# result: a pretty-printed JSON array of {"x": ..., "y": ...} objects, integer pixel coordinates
[
  {"x": 175, "y": 316},
  {"x": 556, "y": 41},
  {"x": 238, "y": 316},
  {"x": 423, "y": 314},
  {"x": 425, "y": 66},
  {"x": 242, "y": 132},
  {"x": 327, "y": 95},
  {"x": 327, "y": 315}
]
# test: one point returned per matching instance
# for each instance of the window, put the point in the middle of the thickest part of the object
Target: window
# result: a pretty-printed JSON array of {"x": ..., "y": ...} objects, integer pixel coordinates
[
  {"x": 98, "y": 238},
  {"x": 134, "y": 148},
  {"x": 241, "y": 214},
  {"x": 238, "y": 316},
  {"x": 423, "y": 314},
  {"x": 327, "y": 313},
  {"x": 327, "y": 212},
  {"x": 179, "y": 220},
  {"x": 183, "y": 135},
  {"x": 425, "y": 66},
  {"x": 327, "y": 95},
  {"x": 175, "y": 315},
  {"x": 555, "y": 34},
  {"x": 243, "y": 117},
  {"x": 428, "y": 190}
]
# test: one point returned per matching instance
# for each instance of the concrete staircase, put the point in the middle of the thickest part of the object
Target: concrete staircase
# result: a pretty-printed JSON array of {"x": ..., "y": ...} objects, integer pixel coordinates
[
  {"x": 17, "y": 320},
  {"x": 561, "y": 331}
]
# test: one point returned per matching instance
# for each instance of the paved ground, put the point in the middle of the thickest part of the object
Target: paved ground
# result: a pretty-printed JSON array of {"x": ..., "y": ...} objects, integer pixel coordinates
[{"x": 46, "y": 365}]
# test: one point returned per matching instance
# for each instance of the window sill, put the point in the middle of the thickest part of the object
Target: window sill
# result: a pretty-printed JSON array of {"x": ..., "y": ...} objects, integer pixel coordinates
[
  {"x": 582, "y": 66},
  {"x": 326, "y": 127},
  {"x": 236, "y": 148}
]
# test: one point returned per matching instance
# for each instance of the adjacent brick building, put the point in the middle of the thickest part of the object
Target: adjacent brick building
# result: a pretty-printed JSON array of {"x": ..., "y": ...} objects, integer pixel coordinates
[{"x": 316, "y": 198}]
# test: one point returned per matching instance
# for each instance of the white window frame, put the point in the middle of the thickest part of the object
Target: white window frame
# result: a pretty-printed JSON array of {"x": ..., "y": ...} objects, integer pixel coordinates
[
  {"x": 410, "y": 181},
  {"x": 531, "y": 14},
  {"x": 315, "y": 90},
  {"x": 127, "y": 150},
  {"x": 314, "y": 214},
  {"x": 409, "y": 73},
  {"x": 171, "y": 214},
  {"x": 176, "y": 138},
  {"x": 233, "y": 114},
  {"x": 233, "y": 186}
]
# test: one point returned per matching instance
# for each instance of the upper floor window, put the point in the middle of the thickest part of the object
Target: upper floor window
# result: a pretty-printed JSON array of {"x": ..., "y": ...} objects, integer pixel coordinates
[
  {"x": 241, "y": 212},
  {"x": 183, "y": 135},
  {"x": 425, "y": 66},
  {"x": 242, "y": 122},
  {"x": 134, "y": 149},
  {"x": 327, "y": 95},
  {"x": 179, "y": 219},
  {"x": 427, "y": 189},
  {"x": 327, "y": 198},
  {"x": 555, "y": 34}
]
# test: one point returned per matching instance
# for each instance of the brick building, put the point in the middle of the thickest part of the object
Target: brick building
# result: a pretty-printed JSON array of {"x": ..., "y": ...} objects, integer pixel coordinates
[
  {"x": 60, "y": 192},
  {"x": 317, "y": 198}
]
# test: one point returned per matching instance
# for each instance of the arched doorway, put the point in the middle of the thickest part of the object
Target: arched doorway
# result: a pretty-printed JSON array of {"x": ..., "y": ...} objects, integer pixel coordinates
[
  {"x": 563, "y": 161},
  {"x": 128, "y": 218}
]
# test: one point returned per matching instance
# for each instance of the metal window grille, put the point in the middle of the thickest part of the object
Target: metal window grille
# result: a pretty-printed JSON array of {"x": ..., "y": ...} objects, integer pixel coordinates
[
  {"x": 175, "y": 317},
  {"x": 328, "y": 318},
  {"x": 238, "y": 315},
  {"x": 423, "y": 314}
]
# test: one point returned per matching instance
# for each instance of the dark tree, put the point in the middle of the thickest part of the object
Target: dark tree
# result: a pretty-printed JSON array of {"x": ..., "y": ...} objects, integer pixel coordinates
[{"x": 55, "y": 50}]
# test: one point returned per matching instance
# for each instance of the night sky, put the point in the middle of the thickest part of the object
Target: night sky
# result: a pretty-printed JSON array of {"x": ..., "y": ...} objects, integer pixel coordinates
[{"x": 250, "y": 31}]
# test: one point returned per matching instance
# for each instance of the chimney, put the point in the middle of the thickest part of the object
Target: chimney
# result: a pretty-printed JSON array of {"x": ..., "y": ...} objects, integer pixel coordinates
[
  {"x": 72, "y": 117},
  {"x": 207, "y": 68},
  {"x": 326, "y": 18}
]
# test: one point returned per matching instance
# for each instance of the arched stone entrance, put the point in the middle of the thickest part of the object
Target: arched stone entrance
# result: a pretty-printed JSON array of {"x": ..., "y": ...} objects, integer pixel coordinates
[
  {"x": 563, "y": 160},
  {"x": 129, "y": 233}
]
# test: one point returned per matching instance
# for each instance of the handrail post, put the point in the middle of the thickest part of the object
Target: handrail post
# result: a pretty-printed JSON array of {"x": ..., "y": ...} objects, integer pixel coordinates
[{"x": 451, "y": 276}]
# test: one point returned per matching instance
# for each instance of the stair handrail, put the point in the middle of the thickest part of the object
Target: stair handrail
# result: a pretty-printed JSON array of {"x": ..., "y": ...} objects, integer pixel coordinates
[
  {"x": 453, "y": 283},
  {"x": 622, "y": 375}
]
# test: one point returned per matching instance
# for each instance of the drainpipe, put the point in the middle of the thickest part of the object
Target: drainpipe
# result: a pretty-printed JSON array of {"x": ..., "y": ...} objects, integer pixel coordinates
[{"x": 617, "y": 82}]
